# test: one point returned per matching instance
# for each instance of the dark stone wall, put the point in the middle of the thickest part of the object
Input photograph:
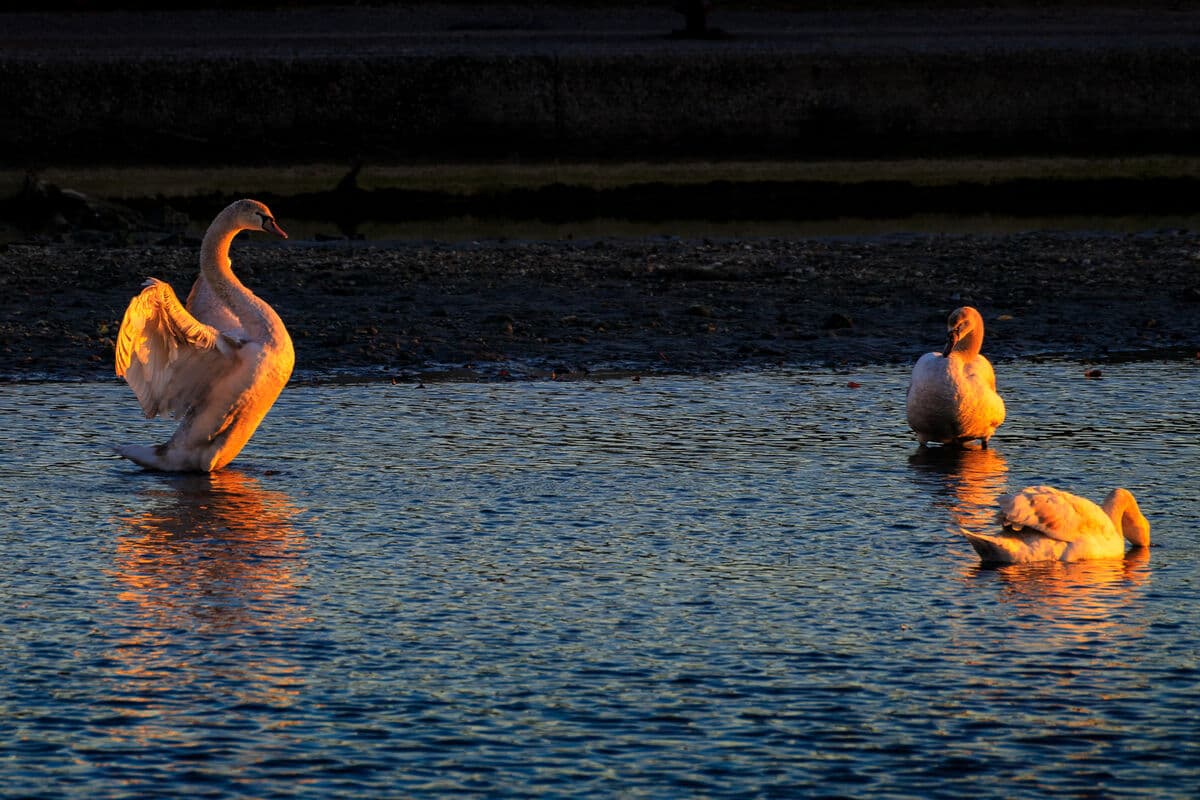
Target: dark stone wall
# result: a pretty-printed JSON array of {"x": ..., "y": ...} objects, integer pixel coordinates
[{"x": 641, "y": 99}]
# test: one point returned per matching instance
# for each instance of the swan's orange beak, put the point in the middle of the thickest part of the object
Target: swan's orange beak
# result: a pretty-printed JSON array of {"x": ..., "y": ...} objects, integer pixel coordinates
[{"x": 271, "y": 226}]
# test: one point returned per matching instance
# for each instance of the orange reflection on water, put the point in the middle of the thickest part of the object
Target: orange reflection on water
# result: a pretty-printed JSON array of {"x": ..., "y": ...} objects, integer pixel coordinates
[
  {"x": 1054, "y": 616},
  {"x": 1062, "y": 627},
  {"x": 1080, "y": 598},
  {"x": 967, "y": 483},
  {"x": 205, "y": 560},
  {"x": 216, "y": 549}
]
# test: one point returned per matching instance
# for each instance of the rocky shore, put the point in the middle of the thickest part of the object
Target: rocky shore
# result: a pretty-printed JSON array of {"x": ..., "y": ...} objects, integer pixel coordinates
[{"x": 537, "y": 310}]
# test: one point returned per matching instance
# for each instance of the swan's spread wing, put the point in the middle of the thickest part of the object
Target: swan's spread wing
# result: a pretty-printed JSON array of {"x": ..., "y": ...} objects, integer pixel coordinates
[
  {"x": 168, "y": 357},
  {"x": 207, "y": 307},
  {"x": 1053, "y": 512}
]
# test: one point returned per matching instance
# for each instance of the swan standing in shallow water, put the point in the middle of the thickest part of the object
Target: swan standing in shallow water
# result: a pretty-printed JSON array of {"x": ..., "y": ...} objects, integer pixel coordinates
[
  {"x": 216, "y": 365},
  {"x": 1042, "y": 523},
  {"x": 952, "y": 397}
]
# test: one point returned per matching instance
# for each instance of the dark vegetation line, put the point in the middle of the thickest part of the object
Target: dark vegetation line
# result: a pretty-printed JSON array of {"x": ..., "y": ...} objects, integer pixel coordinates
[
  {"x": 750, "y": 200},
  {"x": 39, "y": 206}
]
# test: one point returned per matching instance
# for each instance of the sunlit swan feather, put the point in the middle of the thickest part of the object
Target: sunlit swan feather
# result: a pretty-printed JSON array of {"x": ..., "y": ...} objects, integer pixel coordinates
[
  {"x": 217, "y": 364},
  {"x": 1042, "y": 523},
  {"x": 952, "y": 398}
]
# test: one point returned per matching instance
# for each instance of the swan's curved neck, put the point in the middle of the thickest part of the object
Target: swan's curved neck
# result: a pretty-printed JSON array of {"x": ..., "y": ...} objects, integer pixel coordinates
[
  {"x": 970, "y": 344},
  {"x": 1123, "y": 510},
  {"x": 218, "y": 271}
]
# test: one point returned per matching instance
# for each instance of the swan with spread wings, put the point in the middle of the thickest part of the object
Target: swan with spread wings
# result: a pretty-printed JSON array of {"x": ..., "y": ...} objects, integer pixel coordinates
[{"x": 216, "y": 364}]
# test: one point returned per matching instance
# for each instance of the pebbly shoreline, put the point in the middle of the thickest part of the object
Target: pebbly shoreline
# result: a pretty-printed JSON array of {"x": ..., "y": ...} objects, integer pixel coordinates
[{"x": 537, "y": 310}]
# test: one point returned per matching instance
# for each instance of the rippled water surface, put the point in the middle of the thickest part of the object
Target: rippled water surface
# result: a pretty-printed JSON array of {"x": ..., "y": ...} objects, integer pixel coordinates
[{"x": 746, "y": 585}]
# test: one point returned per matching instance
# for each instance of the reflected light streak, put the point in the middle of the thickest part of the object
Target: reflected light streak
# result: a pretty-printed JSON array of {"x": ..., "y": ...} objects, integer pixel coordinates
[
  {"x": 206, "y": 560},
  {"x": 215, "y": 549},
  {"x": 967, "y": 482},
  {"x": 1074, "y": 601}
]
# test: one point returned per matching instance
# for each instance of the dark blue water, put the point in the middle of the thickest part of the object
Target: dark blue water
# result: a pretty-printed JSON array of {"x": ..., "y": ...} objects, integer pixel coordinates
[{"x": 747, "y": 585}]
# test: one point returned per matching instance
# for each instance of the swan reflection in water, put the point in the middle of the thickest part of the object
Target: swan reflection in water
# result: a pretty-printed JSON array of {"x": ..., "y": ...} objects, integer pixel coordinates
[
  {"x": 205, "y": 562},
  {"x": 966, "y": 482},
  {"x": 215, "y": 550},
  {"x": 1048, "y": 607},
  {"x": 1085, "y": 591}
]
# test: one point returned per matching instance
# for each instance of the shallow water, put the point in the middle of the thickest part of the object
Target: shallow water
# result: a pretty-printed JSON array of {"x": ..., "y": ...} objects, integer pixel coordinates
[{"x": 749, "y": 584}]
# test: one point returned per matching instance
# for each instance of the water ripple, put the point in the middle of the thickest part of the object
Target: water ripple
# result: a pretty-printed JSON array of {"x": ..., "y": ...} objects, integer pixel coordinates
[{"x": 750, "y": 584}]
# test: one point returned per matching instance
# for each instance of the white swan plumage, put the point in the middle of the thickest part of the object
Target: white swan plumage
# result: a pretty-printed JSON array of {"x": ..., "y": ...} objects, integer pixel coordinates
[
  {"x": 1041, "y": 523},
  {"x": 216, "y": 364},
  {"x": 952, "y": 398}
]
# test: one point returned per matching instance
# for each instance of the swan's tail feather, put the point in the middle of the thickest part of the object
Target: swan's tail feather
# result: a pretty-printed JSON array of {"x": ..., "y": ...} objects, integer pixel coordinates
[
  {"x": 992, "y": 549},
  {"x": 143, "y": 456}
]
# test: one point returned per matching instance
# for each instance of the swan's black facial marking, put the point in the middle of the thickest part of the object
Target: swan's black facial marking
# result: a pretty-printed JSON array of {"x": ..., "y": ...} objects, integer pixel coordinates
[{"x": 270, "y": 225}]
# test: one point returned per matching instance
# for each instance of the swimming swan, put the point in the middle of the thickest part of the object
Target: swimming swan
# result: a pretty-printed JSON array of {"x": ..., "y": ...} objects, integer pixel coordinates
[
  {"x": 1042, "y": 523},
  {"x": 216, "y": 365},
  {"x": 952, "y": 397}
]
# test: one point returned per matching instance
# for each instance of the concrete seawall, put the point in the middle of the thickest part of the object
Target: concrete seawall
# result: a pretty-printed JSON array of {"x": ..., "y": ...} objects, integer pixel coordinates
[{"x": 380, "y": 84}]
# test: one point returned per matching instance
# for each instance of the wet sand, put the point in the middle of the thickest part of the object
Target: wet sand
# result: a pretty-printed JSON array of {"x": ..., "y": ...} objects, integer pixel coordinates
[{"x": 538, "y": 310}]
